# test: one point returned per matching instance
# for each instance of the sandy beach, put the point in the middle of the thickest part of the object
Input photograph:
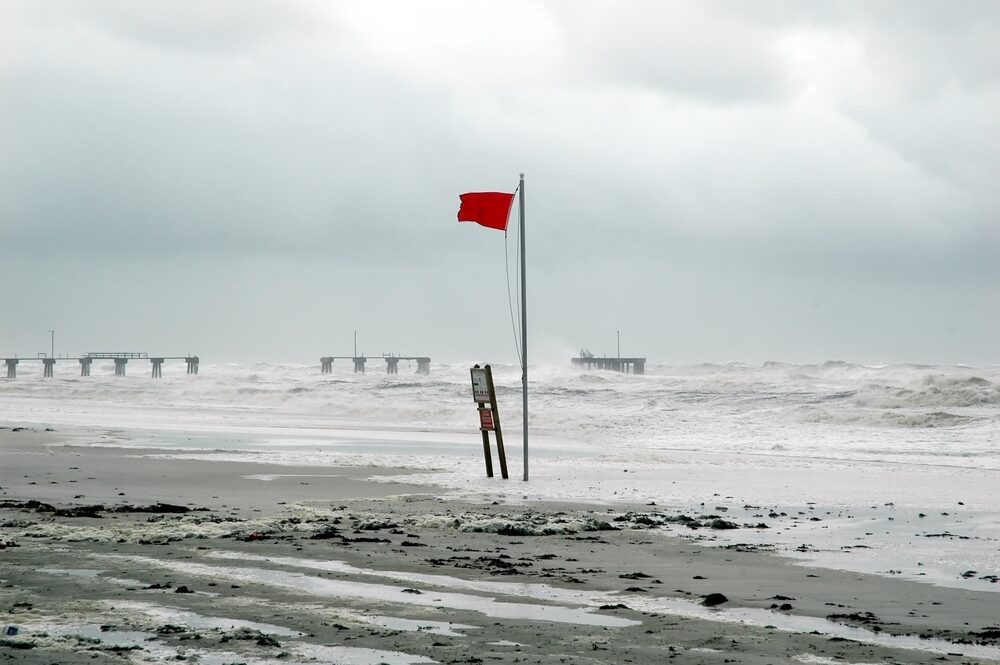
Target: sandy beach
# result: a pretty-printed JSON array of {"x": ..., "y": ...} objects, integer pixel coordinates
[
  {"x": 710, "y": 286},
  {"x": 114, "y": 555}
]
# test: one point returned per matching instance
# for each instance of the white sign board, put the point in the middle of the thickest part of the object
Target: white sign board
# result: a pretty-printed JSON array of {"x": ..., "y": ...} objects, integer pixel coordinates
[{"x": 480, "y": 386}]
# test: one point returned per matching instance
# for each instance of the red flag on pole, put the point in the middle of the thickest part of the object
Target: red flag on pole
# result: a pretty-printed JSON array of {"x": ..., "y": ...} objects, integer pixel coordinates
[{"x": 489, "y": 209}]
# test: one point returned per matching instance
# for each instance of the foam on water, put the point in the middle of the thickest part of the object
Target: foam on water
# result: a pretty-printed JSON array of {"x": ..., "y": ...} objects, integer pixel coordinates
[
  {"x": 331, "y": 588},
  {"x": 151, "y": 650},
  {"x": 938, "y": 415},
  {"x": 543, "y": 594},
  {"x": 175, "y": 615},
  {"x": 846, "y": 435},
  {"x": 415, "y": 625}
]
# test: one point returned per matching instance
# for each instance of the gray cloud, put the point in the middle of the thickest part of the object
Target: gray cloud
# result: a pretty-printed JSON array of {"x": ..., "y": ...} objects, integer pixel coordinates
[
  {"x": 186, "y": 27},
  {"x": 819, "y": 174},
  {"x": 676, "y": 49}
]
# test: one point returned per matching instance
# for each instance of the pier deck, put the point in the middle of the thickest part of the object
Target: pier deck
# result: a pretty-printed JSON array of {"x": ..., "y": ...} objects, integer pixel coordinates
[
  {"x": 391, "y": 363},
  {"x": 120, "y": 359},
  {"x": 625, "y": 365}
]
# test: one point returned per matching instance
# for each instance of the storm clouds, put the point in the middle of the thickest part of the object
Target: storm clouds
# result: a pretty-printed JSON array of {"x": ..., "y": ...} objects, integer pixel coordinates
[{"x": 719, "y": 180}]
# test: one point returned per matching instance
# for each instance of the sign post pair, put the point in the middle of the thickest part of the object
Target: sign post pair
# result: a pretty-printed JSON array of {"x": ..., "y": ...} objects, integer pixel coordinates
[{"x": 484, "y": 393}]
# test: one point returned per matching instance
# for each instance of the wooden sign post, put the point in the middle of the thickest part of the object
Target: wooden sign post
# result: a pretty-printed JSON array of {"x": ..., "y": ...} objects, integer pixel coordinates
[{"x": 483, "y": 392}]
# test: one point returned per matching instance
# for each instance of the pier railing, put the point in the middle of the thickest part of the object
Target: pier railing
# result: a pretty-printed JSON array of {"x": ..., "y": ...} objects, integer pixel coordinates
[
  {"x": 120, "y": 359},
  {"x": 391, "y": 363},
  {"x": 625, "y": 365},
  {"x": 111, "y": 355}
]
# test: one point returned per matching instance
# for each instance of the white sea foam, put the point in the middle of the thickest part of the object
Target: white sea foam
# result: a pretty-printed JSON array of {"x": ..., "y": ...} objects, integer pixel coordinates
[
  {"x": 846, "y": 435},
  {"x": 159, "y": 532},
  {"x": 543, "y": 594},
  {"x": 416, "y": 625},
  {"x": 901, "y": 412},
  {"x": 366, "y": 591}
]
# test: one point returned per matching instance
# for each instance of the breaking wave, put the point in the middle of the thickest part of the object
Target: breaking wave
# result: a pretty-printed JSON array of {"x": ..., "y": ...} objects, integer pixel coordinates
[
  {"x": 893, "y": 418},
  {"x": 833, "y": 408},
  {"x": 935, "y": 390}
]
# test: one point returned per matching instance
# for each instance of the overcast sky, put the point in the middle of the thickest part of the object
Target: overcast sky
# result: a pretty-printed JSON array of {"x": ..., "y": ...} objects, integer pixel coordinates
[{"x": 719, "y": 180}]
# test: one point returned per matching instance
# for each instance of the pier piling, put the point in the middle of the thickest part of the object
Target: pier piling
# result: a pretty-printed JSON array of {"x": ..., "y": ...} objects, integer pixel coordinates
[
  {"x": 86, "y": 361},
  {"x": 391, "y": 363},
  {"x": 624, "y": 365}
]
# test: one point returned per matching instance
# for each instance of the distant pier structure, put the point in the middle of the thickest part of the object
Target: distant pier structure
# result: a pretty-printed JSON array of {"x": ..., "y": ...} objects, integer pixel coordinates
[
  {"x": 625, "y": 365},
  {"x": 120, "y": 359},
  {"x": 391, "y": 363}
]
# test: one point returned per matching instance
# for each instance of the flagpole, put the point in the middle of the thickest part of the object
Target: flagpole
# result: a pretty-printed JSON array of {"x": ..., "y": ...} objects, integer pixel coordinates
[{"x": 524, "y": 330}]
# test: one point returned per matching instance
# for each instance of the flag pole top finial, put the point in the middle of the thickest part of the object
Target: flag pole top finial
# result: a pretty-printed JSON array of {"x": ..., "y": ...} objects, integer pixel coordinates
[{"x": 522, "y": 176}]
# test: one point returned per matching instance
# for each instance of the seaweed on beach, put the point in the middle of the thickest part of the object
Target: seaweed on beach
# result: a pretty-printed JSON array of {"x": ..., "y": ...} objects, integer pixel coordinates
[
  {"x": 41, "y": 507},
  {"x": 79, "y": 511},
  {"x": 158, "y": 508},
  {"x": 365, "y": 540},
  {"x": 326, "y": 533},
  {"x": 657, "y": 520},
  {"x": 248, "y": 634},
  {"x": 95, "y": 510},
  {"x": 991, "y": 633},
  {"x": 864, "y": 618}
]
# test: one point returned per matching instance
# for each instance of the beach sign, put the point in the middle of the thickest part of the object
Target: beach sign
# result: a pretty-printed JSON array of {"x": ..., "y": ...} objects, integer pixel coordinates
[
  {"x": 486, "y": 419},
  {"x": 485, "y": 395},
  {"x": 480, "y": 386}
]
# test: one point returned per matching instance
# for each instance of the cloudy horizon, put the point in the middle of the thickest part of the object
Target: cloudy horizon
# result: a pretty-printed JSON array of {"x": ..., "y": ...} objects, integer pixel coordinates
[{"x": 721, "y": 181}]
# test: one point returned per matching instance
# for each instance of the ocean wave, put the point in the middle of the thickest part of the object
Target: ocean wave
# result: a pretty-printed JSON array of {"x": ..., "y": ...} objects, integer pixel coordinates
[
  {"x": 836, "y": 396},
  {"x": 935, "y": 390},
  {"x": 838, "y": 408},
  {"x": 889, "y": 418},
  {"x": 410, "y": 385}
]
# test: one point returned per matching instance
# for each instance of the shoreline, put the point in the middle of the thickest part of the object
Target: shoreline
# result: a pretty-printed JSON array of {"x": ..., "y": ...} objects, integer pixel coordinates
[
  {"x": 891, "y": 527},
  {"x": 328, "y": 560}
]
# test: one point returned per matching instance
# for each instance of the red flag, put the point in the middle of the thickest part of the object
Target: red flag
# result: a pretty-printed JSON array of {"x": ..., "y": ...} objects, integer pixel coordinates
[{"x": 489, "y": 209}]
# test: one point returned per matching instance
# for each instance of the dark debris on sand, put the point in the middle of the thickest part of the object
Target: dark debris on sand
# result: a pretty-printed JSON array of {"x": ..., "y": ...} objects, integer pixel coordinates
[{"x": 95, "y": 510}]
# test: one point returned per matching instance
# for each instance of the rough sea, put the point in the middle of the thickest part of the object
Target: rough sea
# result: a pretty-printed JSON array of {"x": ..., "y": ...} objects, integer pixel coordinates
[{"x": 898, "y": 464}]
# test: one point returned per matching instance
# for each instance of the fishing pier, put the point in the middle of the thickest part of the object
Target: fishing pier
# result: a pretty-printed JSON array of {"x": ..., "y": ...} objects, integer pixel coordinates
[
  {"x": 120, "y": 359},
  {"x": 624, "y": 365},
  {"x": 391, "y": 363}
]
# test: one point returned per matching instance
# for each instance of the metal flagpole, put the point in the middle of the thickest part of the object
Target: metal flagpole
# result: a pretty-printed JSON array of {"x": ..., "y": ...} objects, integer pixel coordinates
[{"x": 524, "y": 331}]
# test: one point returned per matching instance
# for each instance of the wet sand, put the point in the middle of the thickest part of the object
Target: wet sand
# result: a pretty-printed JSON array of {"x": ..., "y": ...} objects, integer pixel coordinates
[{"x": 112, "y": 556}]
